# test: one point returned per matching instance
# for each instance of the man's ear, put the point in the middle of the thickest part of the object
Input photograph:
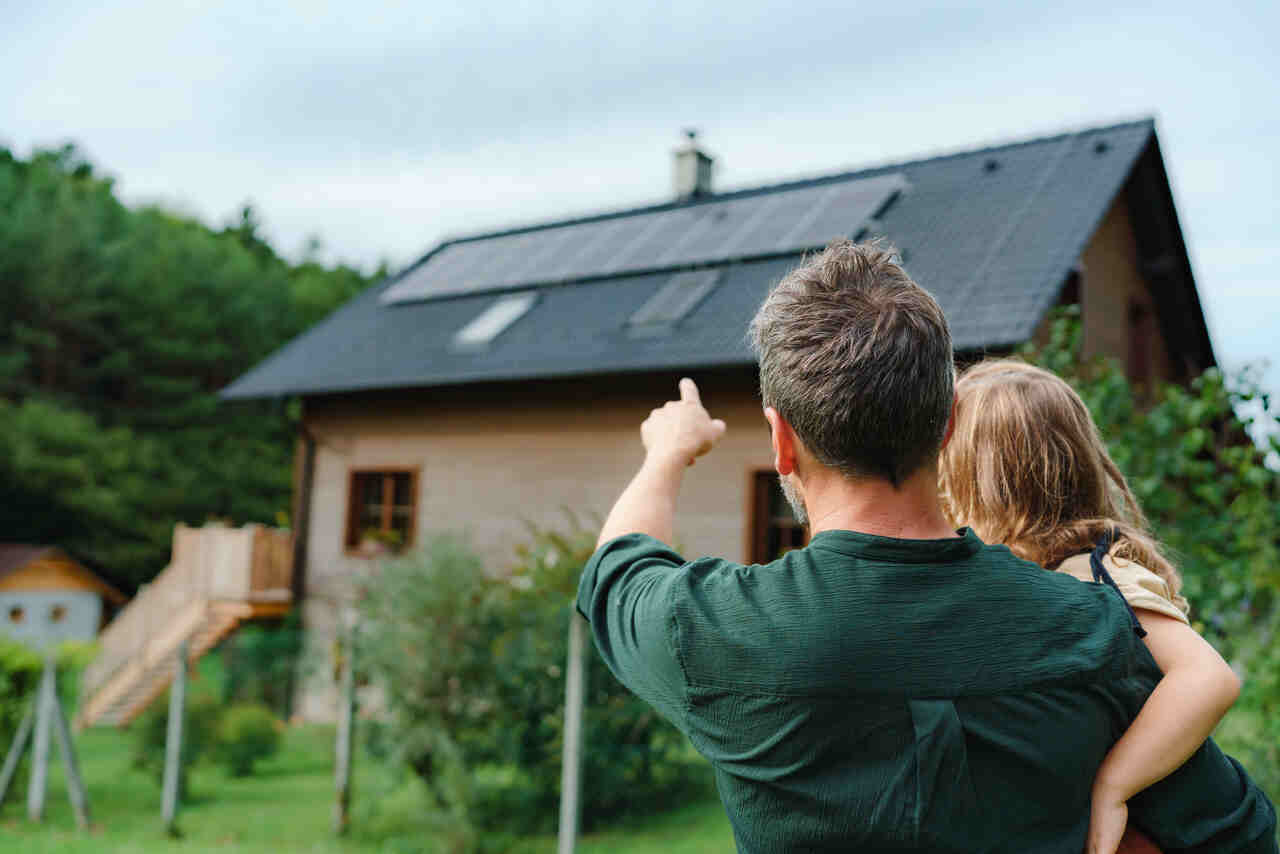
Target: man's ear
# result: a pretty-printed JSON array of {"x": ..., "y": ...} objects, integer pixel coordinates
[
  {"x": 951, "y": 422},
  {"x": 784, "y": 442}
]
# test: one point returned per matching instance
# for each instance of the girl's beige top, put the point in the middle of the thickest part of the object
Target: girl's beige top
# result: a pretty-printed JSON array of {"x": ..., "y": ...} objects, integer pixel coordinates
[{"x": 1139, "y": 585}]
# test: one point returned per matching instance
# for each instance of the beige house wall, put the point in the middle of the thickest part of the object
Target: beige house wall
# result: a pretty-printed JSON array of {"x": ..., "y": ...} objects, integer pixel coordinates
[
  {"x": 1111, "y": 284},
  {"x": 491, "y": 459}
]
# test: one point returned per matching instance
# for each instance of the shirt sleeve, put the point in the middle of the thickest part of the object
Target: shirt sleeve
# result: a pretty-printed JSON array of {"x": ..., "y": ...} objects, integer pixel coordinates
[
  {"x": 626, "y": 593},
  {"x": 1140, "y": 587},
  {"x": 1146, "y": 590}
]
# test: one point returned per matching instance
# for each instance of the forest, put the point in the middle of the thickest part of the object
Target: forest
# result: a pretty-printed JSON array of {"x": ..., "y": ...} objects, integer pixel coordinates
[{"x": 118, "y": 327}]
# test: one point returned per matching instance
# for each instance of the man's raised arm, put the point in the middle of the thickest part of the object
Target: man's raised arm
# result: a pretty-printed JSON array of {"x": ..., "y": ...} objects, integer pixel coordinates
[
  {"x": 674, "y": 435},
  {"x": 627, "y": 588}
]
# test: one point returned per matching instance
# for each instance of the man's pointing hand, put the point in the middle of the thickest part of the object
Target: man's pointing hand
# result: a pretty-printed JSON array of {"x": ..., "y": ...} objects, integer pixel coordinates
[{"x": 681, "y": 430}]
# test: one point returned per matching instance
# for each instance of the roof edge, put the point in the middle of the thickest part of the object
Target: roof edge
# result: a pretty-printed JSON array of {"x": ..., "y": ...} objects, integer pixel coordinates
[{"x": 788, "y": 184}]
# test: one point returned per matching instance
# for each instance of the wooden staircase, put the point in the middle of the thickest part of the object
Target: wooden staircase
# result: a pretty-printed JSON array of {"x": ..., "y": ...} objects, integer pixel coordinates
[{"x": 218, "y": 578}]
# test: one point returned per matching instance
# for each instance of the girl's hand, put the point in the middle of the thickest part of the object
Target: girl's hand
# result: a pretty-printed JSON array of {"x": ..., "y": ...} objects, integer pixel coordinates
[{"x": 1107, "y": 820}]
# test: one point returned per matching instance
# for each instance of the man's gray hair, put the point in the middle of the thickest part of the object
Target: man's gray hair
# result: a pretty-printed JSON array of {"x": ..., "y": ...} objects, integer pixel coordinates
[{"x": 857, "y": 358}]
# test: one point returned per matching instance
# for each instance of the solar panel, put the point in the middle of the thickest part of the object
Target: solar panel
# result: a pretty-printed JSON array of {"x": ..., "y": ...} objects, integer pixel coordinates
[
  {"x": 675, "y": 299},
  {"x": 845, "y": 213},
  {"x": 715, "y": 231}
]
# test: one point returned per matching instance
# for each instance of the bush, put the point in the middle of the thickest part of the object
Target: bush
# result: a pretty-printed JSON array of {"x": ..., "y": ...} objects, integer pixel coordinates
[
  {"x": 21, "y": 667},
  {"x": 247, "y": 732},
  {"x": 472, "y": 669},
  {"x": 151, "y": 729},
  {"x": 260, "y": 663},
  {"x": 1190, "y": 458}
]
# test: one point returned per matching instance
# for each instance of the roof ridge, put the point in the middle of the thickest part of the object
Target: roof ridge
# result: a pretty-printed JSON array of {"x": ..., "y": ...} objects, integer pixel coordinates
[{"x": 782, "y": 186}]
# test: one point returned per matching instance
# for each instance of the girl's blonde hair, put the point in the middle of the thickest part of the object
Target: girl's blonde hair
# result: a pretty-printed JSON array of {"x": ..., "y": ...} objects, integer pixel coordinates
[{"x": 1026, "y": 467}]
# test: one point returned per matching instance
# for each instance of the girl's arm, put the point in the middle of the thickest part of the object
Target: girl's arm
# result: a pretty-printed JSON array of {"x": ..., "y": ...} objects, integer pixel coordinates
[{"x": 1197, "y": 690}]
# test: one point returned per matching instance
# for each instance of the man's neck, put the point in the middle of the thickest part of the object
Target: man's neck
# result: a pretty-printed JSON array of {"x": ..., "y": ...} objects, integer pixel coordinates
[{"x": 911, "y": 511}]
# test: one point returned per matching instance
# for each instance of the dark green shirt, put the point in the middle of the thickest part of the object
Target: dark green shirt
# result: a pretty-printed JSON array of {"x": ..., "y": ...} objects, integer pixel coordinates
[{"x": 874, "y": 694}]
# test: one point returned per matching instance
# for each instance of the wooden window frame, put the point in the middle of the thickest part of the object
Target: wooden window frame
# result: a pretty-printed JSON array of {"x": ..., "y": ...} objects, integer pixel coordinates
[
  {"x": 761, "y": 485},
  {"x": 351, "y": 537}
]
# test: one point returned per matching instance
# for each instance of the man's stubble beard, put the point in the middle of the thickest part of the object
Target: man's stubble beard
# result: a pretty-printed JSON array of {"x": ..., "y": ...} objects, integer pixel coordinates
[{"x": 792, "y": 493}]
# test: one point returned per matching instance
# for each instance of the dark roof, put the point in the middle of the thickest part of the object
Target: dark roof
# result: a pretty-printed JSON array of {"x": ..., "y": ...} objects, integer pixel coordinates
[
  {"x": 993, "y": 234},
  {"x": 14, "y": 556}
]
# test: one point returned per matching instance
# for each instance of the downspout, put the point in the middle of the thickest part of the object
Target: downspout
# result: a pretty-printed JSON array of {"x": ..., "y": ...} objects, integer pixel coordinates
[
  {"x": 301, "y": 534},
  {"x": 302, "y": 515}
]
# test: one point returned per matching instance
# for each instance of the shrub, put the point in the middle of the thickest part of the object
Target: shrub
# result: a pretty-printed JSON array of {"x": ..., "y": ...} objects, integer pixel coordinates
[
  {"x": 472, "y": 669},
  {"x": 1191, "y": 459},
  {"x": 247, "y": 732},
  {"x": 260, "y": 664},
  {"x": 150, "y": 734},
  {"x": 21, "y": 667}
]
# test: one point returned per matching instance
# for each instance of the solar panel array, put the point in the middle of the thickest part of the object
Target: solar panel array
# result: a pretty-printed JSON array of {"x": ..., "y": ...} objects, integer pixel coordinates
[{"x": 711, "y": 232}]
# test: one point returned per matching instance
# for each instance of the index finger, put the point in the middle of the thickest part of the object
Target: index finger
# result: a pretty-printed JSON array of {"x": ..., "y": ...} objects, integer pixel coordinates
[{"x": 689, "y": 391}]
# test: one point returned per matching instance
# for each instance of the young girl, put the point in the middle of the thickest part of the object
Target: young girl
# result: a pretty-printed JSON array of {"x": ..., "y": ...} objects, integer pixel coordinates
[{"x": 1025, "y": 467}]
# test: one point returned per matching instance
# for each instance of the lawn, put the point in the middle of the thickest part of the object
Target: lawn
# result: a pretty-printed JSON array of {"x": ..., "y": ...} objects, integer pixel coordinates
[{"x": 285, "y": 807}]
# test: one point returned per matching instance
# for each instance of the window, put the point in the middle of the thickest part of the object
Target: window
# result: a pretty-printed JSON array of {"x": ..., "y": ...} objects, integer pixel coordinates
[
  {"x": 493, "y": 321},
  {"x": 675, "y": 299},
  {"x": 16, "y": 614},
  {"x": 381, "y": 509},
  {"x": 775, "y": 530},
  {"x": 57, "y": 613}
]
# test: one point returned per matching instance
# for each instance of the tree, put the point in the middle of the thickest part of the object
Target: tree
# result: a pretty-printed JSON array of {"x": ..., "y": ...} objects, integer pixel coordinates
[{"x": 118, "y": 327}]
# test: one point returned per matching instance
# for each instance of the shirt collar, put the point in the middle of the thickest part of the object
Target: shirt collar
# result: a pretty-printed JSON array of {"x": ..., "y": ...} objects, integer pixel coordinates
[{"x": 894, "y": 550}]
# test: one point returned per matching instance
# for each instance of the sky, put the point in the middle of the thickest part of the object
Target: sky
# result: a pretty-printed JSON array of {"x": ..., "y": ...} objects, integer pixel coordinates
[{"x": 380, "y": 128}]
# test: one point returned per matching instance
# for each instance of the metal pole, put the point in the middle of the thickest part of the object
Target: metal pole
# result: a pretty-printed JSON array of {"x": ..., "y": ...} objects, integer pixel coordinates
[
  {"x": 75, "y": 785},
  {"x": 173, "y": 742},
  {"x": 14, "y": 756},
  {"x": 346, "y": 722},
  {"x": 40, "y": 760},
  {"x": 575, "y": 686}
]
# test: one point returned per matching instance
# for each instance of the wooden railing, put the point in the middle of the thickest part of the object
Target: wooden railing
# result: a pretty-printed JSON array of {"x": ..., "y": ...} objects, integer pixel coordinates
[{"x": 214, "y": 563}]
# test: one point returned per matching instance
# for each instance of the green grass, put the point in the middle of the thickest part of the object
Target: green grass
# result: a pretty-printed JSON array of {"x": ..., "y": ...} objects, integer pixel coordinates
[{"x": 285, "y": 807}]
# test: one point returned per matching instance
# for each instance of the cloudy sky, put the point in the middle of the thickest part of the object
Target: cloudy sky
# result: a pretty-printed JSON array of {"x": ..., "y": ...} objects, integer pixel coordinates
[{"x": 382, "y": 127}]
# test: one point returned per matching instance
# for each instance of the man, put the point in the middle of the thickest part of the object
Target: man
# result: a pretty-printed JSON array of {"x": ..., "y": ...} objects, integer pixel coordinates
[{"x": 895, "y": 685}]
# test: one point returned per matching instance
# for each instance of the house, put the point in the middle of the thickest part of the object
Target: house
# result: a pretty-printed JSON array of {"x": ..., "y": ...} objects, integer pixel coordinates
[
  {"x": 46, "y": 596},
  {"x": 502, "y": 378}
]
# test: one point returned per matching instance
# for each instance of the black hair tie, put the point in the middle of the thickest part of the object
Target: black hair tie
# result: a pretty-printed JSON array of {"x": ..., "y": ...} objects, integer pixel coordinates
[{"x": 1100, "y": 574}]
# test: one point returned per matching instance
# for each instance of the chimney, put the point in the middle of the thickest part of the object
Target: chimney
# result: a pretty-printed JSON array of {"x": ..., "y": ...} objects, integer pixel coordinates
[{"x": 692, "y": 169}]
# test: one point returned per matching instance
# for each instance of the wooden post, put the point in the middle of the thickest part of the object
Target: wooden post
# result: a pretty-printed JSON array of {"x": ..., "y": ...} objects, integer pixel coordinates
[
  {"x": 75, "y": 785},
  {"x": 14, "y": 756},
  {"x": 173, "y": 743},
  {"x": 40, "y": 759},
  {"x": 346, "y": 723},
  {"x": 575, "y": 686}
]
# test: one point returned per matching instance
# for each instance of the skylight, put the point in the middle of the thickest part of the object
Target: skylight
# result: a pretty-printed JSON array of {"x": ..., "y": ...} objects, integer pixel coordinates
[
  {"x": 673, "y": 301},
  {"x": 494, "y": 320}
]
